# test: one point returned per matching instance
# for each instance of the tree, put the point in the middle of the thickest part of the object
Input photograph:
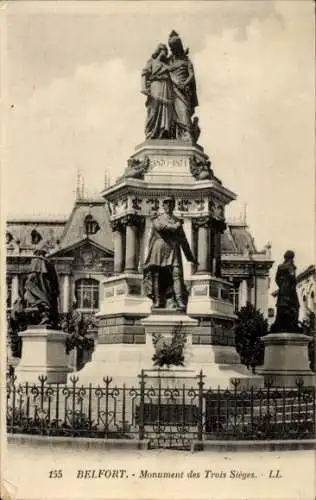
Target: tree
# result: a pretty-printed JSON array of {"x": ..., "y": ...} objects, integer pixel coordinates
[
  {"x": 250, "y": 326},
  {"x": 308, "y": 327},
  {"x": 78, "y": 327}
]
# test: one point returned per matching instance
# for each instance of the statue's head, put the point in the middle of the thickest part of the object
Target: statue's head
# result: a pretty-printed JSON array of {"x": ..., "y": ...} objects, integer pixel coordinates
[
  {"x": 175, "y": 44},
  {"x": 162, "y": 48},
  {"x": 168, "y": 204},
  {"x": 289, "y": 255}
]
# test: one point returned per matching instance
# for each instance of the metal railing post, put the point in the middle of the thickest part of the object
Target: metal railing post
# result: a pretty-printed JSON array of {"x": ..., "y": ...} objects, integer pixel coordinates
[{"x": 141, "y": 427}]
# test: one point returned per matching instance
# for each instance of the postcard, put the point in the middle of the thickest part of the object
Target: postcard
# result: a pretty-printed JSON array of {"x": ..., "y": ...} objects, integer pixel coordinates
[{"x": 158, "y": 277}]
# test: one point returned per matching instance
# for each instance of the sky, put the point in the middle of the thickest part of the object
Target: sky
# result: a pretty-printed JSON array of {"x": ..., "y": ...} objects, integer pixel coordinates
[{"x": 72, "y": 91}]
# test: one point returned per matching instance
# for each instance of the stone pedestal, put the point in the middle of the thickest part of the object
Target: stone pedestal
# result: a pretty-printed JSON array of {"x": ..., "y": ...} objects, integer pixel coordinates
[
  {"x": 286, "y": 360},
  {"x": 123, "y": 295},
  {"x": 219, "y": 361},
  {"x": 43, "y": 353},
  {"x": 166, "y": 323},
  {"x": 211, "y": 296}
]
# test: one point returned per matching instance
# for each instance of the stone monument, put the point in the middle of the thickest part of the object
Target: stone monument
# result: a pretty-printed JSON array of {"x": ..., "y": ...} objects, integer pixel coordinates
[
  {"x": 43, "y": 343},
  {"x": 286, "y": 348},
  {"x": 167, "y": 212}
]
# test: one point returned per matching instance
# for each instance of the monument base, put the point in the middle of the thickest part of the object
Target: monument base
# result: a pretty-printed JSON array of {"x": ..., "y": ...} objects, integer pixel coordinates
[
  {"x": 133, "y": 352},
  {"x": 286, "y": 360},
  {"x": 220, "y": 364},
  {"x": 43, "y": 354}
]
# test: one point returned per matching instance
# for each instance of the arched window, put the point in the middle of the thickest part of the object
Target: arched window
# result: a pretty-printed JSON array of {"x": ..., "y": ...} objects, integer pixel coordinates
[{"x": 87, "y": 294}]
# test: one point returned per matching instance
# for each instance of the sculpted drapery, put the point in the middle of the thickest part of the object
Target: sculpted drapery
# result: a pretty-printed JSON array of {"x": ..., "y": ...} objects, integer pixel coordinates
[
  {"x": 287, "y": 301},
  {"x": 42, "y": 289},
  {"x": 169, "y": 84}
]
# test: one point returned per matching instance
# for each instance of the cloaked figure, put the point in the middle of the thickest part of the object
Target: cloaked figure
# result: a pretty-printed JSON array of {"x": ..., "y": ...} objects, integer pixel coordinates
[
  {"x": 287, "y": 301},
  {"x": 163, "y": 270},
  {"x": 157, "y": 86},
  {"x": 42, "y": 288},
  {"x": 184, "y": 88}
]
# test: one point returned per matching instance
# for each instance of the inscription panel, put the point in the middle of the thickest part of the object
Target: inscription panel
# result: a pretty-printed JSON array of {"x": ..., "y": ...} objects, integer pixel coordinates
[{"x": 169, "y": 163}]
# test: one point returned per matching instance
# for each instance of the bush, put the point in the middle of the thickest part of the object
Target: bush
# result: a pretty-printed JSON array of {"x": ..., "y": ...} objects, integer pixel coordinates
[{"x": 250, "y": 327}]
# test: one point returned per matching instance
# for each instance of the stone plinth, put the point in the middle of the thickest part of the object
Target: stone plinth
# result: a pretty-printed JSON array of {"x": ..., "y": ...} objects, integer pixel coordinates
[
  {"x": 211, "y": 296},
  {"x": 286, "y": 360},
  {"x": 165, "y": 323},
  {"x": 43, "y": 353},
  {"x": 220, "y": 363},
  {"x": 123, "y": 295}
]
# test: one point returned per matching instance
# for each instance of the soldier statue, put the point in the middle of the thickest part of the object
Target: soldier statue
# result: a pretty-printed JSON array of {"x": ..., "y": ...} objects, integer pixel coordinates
[{"x": 163, "y": 271}]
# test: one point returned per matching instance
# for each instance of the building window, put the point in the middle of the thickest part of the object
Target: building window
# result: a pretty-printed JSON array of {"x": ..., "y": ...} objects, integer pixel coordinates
[
  {"x": 35, "y": 237},
  {"x": 91, "y": 225},
  {"x": 87, "y": 294},
  {"x": 9, "y": 292}
]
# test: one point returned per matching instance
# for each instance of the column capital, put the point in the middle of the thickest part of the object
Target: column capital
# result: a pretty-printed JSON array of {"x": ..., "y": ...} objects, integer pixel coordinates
[
  {"x": 116, "y": 225},
  {"x": 202, "y": 221},
  {"x": 135, "y": 220}
]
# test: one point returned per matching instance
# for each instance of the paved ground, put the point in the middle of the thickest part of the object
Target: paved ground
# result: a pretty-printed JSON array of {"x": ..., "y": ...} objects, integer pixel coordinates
[{"x": 231, "y": 476}]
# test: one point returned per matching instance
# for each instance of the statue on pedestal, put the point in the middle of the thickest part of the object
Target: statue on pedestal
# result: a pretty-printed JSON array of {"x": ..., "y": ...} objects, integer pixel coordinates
[
  {"x": 168, "y": 81},
  {"x": 163, "y": 272},
  {"x": 42, "y": 289},
  {"x": 287, "y": 301}
]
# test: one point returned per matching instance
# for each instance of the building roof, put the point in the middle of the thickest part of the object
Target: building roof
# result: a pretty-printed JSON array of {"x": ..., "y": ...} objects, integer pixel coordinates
[
  {"x": 75, "y": 231},
  {"x": 19, "y": 232}
]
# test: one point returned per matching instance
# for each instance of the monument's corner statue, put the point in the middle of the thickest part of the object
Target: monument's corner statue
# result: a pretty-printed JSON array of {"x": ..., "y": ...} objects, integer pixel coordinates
[
  {"x": 42, "y": 289},
  {"x": 287, "y": 301},
  {"x": 168, "y": 81},
  {"x": 163, "y": 272}
]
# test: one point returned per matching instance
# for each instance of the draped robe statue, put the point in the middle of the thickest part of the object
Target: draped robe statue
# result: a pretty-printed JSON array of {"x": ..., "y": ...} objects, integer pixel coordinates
[
  {"x": 287, "y": 301},
  {"x": 170, "y": 87},
  {"x": 42, "y": 289}
]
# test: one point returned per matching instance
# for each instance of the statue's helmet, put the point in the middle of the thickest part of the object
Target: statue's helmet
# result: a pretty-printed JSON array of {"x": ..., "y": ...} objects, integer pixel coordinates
[
  {"x": 289, "y": 254},
  {"x": 174, "y": 42}
]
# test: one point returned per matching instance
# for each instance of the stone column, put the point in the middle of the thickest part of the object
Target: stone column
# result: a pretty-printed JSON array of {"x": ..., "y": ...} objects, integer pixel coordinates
[
  {"x": 237, "y": 283},
  {"x": 118, "y": 247},
  {"x": 15, "y": 289},
  {"x": 66, "y": 293},
  {"x": 243, "y": 290},
  {"x": 250, "y": 286},
  {"x": 218, "y": 252},
  {"x": 202, "y": 223},
  {"x": 133, "y": 228}
]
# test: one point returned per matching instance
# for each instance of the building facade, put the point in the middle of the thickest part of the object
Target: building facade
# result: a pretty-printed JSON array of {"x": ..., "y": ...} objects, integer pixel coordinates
[
  {"x": 81, "y": 247},
  {"x": 306, "y": 290}
]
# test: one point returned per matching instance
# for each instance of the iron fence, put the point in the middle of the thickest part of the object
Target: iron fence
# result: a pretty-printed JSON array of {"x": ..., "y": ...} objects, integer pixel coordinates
[{"x": 168, "y": 411}]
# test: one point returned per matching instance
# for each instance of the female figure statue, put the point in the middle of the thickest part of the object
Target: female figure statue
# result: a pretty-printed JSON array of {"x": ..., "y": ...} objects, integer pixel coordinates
[{"x": 156, "y": 84}]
